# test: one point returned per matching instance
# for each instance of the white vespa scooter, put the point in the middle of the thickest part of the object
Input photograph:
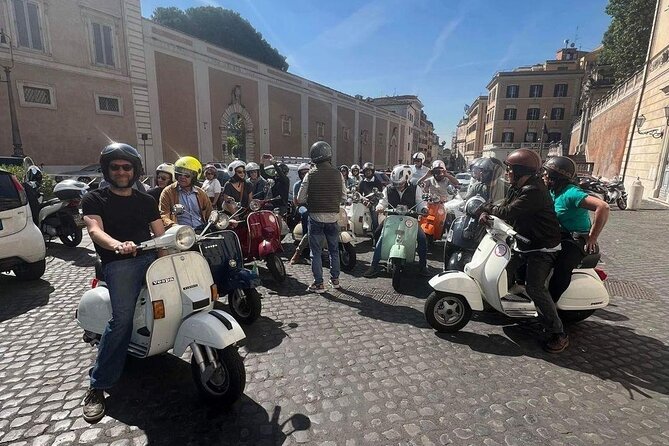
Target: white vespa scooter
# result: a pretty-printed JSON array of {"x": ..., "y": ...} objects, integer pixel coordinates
[
  {"x": 457, "y": 293},
  {"x": 175, "y": 310},
  {"x": 359, "y": 215}
]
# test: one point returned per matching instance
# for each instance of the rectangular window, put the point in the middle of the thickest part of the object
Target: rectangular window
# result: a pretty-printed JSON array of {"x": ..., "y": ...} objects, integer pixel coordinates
[
  {"x": 531, "y": 137},
  {"x": 103, "y": 44},
  {"x": 286, "y": 125},
  {"x": 536, "y": 90},
  {"x": 510, "y": 114},
  {"x": 320, "y": 129},
  {"x": 560, "y": 90},
  {"x": 512, "y": 91},
  {"x": 533, "y": 114},
  {"x": 28, "y": 24},
  {"x": 557, "y": 114},
  {"x": 108, "y": 105},
  {"x": 36, "y": 95},
  {"x": 507, "y": 137}
]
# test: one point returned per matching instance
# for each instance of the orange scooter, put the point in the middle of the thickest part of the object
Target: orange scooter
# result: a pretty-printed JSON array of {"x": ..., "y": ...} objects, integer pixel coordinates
[{"x": 434, "y": 221}]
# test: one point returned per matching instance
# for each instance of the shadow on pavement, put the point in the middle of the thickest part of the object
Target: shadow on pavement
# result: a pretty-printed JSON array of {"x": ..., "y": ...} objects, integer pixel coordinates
[
  {"x": 158, "y": 396},
  {"x": 265, "y": 334},
  {"x": 375, "y": 309},
  {"x": 19, "y": 297},
  {"x": 78, "y": 256},
  {"x": 289, "y": 287}
]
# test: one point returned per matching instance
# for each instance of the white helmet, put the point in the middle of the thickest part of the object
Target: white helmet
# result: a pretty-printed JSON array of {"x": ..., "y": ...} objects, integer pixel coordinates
[
  {"x": 303, "y": 166},
  {"x": 400, "y": 174},
  {"x": 438, "y": 164},
  {"x": 234, "y": 165},
  {"x": 418, "y": 155},
  {"x": 167, "y": 168},
  {"x": 355, "y": 166},
  {"x": 252, "y": 166}
]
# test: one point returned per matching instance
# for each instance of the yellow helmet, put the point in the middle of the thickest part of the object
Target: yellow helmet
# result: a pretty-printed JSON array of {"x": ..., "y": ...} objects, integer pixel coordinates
[{"x": 188, "y": 165}]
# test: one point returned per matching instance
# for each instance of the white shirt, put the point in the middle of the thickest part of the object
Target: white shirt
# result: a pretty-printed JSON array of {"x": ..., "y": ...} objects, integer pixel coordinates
[{"x": 211, "y": 187}]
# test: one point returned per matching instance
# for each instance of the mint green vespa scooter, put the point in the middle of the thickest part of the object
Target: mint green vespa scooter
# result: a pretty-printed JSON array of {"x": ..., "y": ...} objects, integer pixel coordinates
[{"x": 398, "y": 241}]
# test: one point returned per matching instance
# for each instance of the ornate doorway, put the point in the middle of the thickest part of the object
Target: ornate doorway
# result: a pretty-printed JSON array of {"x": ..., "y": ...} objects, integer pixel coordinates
[{"x": 236, "y": 126}]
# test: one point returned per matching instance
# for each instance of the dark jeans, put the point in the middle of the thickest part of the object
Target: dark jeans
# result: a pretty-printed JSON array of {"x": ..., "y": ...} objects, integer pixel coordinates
[
  {"x": 375, "y": 218},
  {"x": 317, "y": 232},
  {"x": 567, "y": 260},
  {"x": 124, "y": 280},
  {"x": 538, "y": 266}
]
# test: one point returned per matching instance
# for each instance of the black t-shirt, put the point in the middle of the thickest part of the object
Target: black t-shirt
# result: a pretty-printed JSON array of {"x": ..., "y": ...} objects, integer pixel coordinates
[
  {"x": 124, "y": 218},
  {"x": 281, "y": 188},
  {"x": 229, "y": 190}
]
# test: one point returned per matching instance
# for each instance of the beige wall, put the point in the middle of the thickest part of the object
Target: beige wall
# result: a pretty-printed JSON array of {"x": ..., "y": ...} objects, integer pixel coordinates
[
  {"x": 381, "y": 142},
  {"x": 176, "y": 96},
  {"x": 319, "y": 111},
  {"x": 284, "y": 102},
  {"x": 660, "y": 39},
  {"x": 221, "y": 85},
  {"x": 345, "y": 149},
  {"x": 365, "y": 123}
]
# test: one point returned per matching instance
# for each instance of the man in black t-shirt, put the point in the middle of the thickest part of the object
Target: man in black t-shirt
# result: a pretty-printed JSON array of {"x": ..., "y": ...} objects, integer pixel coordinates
[{"x": 118, "y": 218}]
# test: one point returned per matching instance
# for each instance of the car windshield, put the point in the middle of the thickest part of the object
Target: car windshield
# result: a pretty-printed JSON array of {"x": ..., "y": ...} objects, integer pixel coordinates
[{"x": 9, "y": 196}]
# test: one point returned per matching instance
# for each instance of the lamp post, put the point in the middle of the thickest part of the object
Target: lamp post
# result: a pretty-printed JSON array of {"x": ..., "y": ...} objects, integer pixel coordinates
[
  {"x": 543, "y": 132},
  {"x": 16, "y": 134}
]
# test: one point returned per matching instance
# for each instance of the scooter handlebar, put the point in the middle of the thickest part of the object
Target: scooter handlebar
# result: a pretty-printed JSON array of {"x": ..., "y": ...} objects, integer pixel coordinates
[{"x": 522, "y": 239}]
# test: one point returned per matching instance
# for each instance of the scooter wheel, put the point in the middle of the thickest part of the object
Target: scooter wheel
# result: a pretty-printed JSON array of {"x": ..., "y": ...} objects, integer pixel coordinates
[
  {"x": 447, "y": 313},
  {"x": 347, "y": 257},
  {"x": 622, "y": 203},
  {"x": 245, "y": 305},
  {"x": 398, "y": 269},
  {"x": 276, "y": 267},
  {"x": 224, "y": 384},
  {"x": 572, "y": 317}
]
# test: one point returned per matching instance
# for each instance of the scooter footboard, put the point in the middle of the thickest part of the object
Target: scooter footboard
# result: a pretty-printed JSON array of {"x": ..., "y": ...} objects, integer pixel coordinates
[
  {"x": 457, "y": 282},
  {"x": 215, "y": 329},
  {"x": 586, "y": 292}
]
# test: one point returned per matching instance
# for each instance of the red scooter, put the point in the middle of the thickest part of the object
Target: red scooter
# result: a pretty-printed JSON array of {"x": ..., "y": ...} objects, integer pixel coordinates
[{"x": 260, "y": 237}]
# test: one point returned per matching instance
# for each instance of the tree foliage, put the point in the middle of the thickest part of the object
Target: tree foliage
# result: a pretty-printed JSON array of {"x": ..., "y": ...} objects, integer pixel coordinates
[
  {"x": 224, "y": 28},
  {"x": 627, "y": 38}
]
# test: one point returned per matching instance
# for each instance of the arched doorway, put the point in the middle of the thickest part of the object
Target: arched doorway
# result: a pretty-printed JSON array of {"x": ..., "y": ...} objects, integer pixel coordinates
[{"x": 236, "y": 123}]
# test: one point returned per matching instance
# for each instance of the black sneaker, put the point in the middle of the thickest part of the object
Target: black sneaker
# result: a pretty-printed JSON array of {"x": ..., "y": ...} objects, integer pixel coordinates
[
  {"x": 372, "y": 271},
  {"x": 557, "y": 343},
  {"x": 94, "y": 405}
]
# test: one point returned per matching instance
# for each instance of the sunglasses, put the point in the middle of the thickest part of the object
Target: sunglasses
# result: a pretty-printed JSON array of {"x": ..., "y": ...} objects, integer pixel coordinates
[
  {"x": 117, "y": 167},
  {"x": 163, "y": 178},
  {"x": 185, "y": 175}
]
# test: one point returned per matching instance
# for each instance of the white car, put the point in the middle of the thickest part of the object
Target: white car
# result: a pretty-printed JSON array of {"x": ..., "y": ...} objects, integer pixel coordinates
[
  {"x": 22, "y": 248},
  {"x": 464, "y": 179}
]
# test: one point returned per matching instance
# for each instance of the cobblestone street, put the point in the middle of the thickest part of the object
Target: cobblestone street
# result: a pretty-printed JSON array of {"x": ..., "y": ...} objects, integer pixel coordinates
[{"x": 359, "y": 366}]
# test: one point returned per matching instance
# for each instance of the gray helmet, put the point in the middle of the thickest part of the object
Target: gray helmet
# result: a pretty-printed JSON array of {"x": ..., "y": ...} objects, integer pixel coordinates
[
  {"x": 320, "y": 152},
  {"x": 366, "y": 166},
  {"x": 560, "y": 167},
  {"x": 491, "y": 168}
]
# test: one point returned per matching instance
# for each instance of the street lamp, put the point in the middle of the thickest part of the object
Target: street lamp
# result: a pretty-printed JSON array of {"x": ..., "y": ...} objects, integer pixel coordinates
[
  {"x": 543, "y": 132},
  {"x": 16, "y": 135}
]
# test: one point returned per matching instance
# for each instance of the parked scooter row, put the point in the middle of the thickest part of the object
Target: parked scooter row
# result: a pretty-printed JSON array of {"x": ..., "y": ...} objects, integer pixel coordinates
[{"x": 609, "y": 191}]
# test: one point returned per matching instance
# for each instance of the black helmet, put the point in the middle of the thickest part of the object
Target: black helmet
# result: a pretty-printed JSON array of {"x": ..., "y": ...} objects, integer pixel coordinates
[
  {"x": 560, "y": 168},
  {"x": 367, "y": 165},
  {"x": 120, "y": 151},
  {"x": 320, "y": 152},
  {"x": 491, "y": 168},
  {"x": 284, "y": 168}
]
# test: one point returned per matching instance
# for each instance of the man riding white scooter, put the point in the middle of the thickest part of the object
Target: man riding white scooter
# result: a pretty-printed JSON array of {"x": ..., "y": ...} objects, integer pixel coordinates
[
  {"x": 366, "y": 186},
  {"x": 529, "y": 208},
  {"x": 400, "y": 192},
  {"x": 118, "y": 218}
]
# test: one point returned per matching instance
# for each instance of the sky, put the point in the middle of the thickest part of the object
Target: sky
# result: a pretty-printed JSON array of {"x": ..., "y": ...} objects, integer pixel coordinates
[{"x": 444, "y": 51}]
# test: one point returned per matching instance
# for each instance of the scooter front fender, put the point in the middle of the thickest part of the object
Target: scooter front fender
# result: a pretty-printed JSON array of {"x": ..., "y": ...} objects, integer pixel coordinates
[
  {"x": 94, "y": 310},
  {"x": 268, "y": 247},
  {"x": 457, "y": 282},
  {"x": 398, "y": 251},
  {"x": 586, "y": 292},
  {"x": 346, "y": 237},
  {"x": 215, "y": 329},
  {"x": 242, "y": 278}
]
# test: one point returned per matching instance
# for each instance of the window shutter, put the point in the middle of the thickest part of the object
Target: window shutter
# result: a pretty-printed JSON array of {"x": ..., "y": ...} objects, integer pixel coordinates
[
  {"x": 97, "y": 43},
  {"x": 33, "y": 22},
  {"x": 21, "y": 23},
  {"x": 108, "y": 48}
]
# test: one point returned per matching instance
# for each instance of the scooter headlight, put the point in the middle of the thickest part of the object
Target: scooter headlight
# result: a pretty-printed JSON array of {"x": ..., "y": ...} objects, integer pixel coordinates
[
  {"x": 254, "y": 205},
  {"x": 184, "y": 238},
  {"x": 223, "y": 221}
]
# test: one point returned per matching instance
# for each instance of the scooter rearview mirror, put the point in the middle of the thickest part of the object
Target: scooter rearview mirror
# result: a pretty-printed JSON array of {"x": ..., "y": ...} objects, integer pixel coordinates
[{"x": 178, "y": 209}]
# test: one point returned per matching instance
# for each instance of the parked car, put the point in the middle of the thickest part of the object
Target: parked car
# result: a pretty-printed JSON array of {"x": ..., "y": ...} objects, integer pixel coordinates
[
  {"x": 22, "y": 247},
  {"x": 85, "y": 175},
  {"x": 24, "y": 161},
  {"x": 464, "y": 179}
]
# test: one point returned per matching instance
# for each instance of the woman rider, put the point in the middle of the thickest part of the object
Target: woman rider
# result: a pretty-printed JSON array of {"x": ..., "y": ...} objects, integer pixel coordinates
[
  {"x": 164, "y": 177},
  {"x": 237, "y": 189},
  {"x": 579, "y": 234}
]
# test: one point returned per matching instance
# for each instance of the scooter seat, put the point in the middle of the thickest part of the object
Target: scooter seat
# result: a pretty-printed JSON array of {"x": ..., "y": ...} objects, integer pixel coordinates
[{"x": 590, "y": 260}]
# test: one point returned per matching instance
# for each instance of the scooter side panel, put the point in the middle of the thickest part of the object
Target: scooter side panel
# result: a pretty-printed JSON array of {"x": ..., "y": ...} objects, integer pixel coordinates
[
  {"x": 586, "y": 292},
  {"x": 206, "y": 329},
  {"x": 457, "y": 282},
  {"x": 488, "y": 267},
  {"x": 94, "y": 310}
]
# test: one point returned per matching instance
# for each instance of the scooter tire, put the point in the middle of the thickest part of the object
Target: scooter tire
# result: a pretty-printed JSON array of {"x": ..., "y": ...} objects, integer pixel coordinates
[
  {"x": 458, "y": 310},
  {"x": 245, "y": 309},
  {"x": 398, "y": 269},
  {"x": 347, "y": 256},
  {"x": 276, "y": 267},
  {"x": 227, "y": 383},
  {"x": 573, "y": 317},
  {"x": 622, "y": 203},
  {"x": 72, "y": 234}
]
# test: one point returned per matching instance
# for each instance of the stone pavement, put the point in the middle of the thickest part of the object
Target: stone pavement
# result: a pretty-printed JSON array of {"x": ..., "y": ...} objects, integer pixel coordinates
[{"x": 360, "y": 366}]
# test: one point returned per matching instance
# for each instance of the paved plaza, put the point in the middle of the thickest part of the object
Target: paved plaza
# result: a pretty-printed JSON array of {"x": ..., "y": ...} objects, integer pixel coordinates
[{"x": 360, "y": 366}]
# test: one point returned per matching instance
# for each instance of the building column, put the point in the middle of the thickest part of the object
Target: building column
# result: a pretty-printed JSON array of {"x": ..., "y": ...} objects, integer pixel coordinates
[
  {"x": 304, "y": 123},
  {"x": 373, "y": 138},
  {"x": 334, "y": 132},
  {"x": 263, "y": 118},
  {"x": 356, "y": 137},
  {"x": 203, "y": 108},
  {"x": 155, "y": 156},
  {"x": 388, "y": 136}
]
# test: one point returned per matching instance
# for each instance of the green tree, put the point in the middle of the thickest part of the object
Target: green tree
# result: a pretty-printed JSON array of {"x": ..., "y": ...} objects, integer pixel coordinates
[
  {"x": 224, "y": 28},
  {"x": 626, "y": 40}
]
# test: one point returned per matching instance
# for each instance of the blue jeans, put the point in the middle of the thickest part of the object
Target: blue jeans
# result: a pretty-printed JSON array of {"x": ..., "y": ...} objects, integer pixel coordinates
[
  {"x": 124, "y": 280},
  {"x": 317, "y": 232},
  {"x": 375, "y": 218},
  {"x": 421, "y": 249}
]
